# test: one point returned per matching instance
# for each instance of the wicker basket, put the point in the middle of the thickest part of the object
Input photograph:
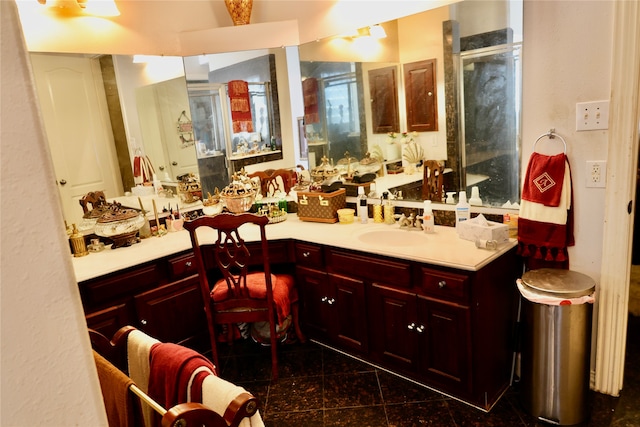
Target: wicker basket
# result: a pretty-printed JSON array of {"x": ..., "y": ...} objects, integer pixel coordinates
[{"x": 239, "y": 204}]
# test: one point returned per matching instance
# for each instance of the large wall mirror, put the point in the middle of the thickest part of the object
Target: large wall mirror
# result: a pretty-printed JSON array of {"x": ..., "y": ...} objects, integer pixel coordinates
[
  {"x": 474, "y": 49},
  {"x": 474, "y": 46}
]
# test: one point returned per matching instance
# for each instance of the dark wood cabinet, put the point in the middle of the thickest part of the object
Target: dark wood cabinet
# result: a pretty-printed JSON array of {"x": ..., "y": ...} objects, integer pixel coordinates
[
  {"x": 421, "y": 96},
  {"x": 446, "y": 328},
  {"x": 384, "y": 100},
  {"x": 161, "y": 298},
  {"x": 333, "y": 305}
]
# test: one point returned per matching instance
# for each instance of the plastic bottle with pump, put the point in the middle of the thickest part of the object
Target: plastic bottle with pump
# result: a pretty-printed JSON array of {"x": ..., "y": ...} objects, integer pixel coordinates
[
  {"x": 428, "y": 225},
  {"x": 363, "y": 210},
  {"x": 389, "y": 209},
  {"x": 463, "y": 210}
]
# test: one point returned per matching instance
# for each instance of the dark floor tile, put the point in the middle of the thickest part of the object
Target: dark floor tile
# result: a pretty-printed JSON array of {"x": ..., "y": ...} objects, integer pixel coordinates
[
  {"x": 338, "y": 363},
  {"x": 432, "y": 413},
  {"x": 367, "y": 416},
  {"x": 295, "y": 394},
  {"x": 502, "y": 414},
  {"x": 398, "y": 390},
  {"x": 300, "y": 362},
  {"x": 242, "y": 369},
  {"x": 314, "y": 418},
  {"x": 350, "y": 390}
]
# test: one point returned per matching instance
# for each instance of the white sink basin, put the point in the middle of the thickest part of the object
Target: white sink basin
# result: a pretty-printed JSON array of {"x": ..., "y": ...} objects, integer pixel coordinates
[{"x": 394, "y": 237}]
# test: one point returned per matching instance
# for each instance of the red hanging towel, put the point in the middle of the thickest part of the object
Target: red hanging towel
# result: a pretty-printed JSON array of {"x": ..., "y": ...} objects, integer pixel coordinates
[
  {"x": 142, "y": 170},
  {"x": 240, "y": 106},
  {"x": 310, "y": 92},
  {"x": 545, "y": 230}
]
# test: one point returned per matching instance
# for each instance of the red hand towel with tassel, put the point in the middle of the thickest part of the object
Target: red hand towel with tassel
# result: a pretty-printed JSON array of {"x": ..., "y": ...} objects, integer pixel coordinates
[
  {"x": 240, "y": 106},
  {"x": 545, "y": 224}
]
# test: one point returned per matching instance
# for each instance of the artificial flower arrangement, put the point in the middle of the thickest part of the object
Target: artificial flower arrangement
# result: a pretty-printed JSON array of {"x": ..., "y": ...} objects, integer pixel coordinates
[
  {"x": 391, "y": 137},
  {"x": 407, "y": 137}
]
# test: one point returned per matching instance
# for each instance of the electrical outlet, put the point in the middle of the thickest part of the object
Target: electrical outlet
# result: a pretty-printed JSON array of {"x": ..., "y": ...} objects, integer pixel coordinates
[
  {"x": 596, "y": 173},
  {"x": 592, "y": 115}
]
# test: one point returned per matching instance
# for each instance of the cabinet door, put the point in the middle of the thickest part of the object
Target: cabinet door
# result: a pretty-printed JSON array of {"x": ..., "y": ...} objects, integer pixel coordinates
[
  {"x": 420, "y": 93},
  {"x": 445, "y": 349},
  {"x": 315, "y": 296},
  {"x": 350, "y": 313},
  {"x": 173, "y": 312},
  {"x": 384, "y": 100},
  {"x": 109, "y": 320},
  {"x": 394, "y": 331}
]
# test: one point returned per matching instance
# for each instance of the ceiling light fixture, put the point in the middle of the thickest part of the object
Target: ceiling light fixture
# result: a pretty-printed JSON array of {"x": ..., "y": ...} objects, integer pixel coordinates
[{"x": 103, "y": 8}]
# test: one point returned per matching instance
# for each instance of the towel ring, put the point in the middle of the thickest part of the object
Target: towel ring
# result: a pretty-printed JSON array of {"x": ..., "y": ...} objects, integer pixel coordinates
[{"x": 551, "y": 135}]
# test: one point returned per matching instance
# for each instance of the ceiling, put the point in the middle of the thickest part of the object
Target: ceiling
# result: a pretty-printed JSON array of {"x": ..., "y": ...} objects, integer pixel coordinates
[{"x": 188, "y": 27}]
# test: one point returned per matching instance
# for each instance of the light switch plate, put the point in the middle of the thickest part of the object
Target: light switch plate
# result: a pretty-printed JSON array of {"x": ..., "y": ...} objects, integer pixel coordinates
[{"x": 592, "y": 115}]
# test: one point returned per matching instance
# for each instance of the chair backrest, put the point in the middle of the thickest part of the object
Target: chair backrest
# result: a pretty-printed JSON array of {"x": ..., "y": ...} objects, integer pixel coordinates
[
  {"x": 274, "y": 180},
  {"x": 222, "y": 246}
]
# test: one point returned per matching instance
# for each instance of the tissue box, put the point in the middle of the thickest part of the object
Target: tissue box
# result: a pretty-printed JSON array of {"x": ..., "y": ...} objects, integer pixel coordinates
[{"x": 483, "y": 230}]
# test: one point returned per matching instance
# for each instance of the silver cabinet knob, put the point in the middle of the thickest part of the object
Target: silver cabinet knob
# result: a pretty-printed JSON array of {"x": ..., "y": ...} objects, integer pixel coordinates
[
  {"x": 143, "y": 322},
  {"x": 411, "y": 326},
  {"x": 63, "y": 182},
  {"x": 306, "y": 254},
  {"x": 174, "y": 163},
  {"x": 442, "y": 284},
  {"x": 188, "y": 263}
]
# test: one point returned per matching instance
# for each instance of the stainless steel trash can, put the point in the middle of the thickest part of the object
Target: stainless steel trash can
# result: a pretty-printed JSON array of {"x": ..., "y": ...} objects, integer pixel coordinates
[{"x": 556, "y": 344}]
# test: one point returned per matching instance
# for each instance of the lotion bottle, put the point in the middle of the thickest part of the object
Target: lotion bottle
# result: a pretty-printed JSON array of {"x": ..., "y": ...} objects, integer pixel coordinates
[
  {"x": 428, "y": 224},
  {"x": 363, "y": 210},
  {"x": 463, "y": 210}
]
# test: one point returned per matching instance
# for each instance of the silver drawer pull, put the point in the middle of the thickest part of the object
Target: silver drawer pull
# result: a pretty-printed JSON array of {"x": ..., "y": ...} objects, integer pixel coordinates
[
  {"x": 420, "y": 329},
  {"x": 188, "y": 263},
  {"x": 324, "y": 299},
  {"x": 306, "y": 254},
  {"x": 143, "y": 322},
  {"x": 442, "y": 284},
  {"x": 331, "y": 301},
  {"x": 411, "y": 326}
]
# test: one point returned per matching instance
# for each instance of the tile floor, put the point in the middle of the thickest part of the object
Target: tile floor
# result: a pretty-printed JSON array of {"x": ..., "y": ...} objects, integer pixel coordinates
[{"x": 321, "y": 387}]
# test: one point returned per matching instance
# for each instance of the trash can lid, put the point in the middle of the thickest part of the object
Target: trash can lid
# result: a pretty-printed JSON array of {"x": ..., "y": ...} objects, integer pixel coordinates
[{"x": 562, "y": 283}]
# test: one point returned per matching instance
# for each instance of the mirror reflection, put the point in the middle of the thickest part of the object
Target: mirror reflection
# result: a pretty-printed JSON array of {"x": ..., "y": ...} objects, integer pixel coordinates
[
  {"x": 352, "y": 73},
  {"x": 445, "y": 82}
]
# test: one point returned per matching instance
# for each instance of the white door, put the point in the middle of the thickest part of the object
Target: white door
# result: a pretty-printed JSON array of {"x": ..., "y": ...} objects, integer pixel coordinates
[
  {"x": 172, "y": 101},
  {"x": 76, "y": 120}
]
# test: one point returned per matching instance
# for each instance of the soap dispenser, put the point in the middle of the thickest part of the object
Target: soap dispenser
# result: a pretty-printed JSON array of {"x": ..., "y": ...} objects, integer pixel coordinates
[
  {"x": 463, "y": 210},
  {"x": 428, "y": 224},
  {"x": 389, "y": 209}
]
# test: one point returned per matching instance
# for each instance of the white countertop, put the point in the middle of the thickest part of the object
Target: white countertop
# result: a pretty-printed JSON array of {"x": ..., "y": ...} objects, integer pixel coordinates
[{"x": 443, "y": 248}]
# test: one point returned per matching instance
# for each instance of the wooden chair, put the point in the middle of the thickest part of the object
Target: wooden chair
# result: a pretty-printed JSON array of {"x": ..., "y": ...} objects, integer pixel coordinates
[
  {"x": 274, "y": 180},
  {"x": 432, "y": 181},
  {"x": 240, "y": 295}
]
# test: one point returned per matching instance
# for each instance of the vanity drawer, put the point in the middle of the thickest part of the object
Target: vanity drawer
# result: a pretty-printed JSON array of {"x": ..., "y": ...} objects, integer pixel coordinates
[
  {"x": 182, "y": 266},
  {"x": 379, "y": 270},
  {"x": 119, "y": 286},
  {"x": 309, "y": 256},
  {"x": 446, "y": 285}
]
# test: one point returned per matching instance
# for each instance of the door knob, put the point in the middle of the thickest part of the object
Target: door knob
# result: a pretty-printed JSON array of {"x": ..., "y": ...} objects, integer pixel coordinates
[
  {"x": 174, "y": 163},
  {"x": 63, "y": 181},
  {"x": 161, "y": 168}
]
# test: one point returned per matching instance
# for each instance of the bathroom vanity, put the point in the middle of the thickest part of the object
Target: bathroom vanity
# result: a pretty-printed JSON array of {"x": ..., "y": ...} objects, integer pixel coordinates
[{"x": 430, "y": 307}]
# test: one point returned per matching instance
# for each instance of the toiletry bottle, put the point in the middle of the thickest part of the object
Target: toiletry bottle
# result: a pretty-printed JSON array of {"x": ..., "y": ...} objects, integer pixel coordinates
[
  {"x": 389, "y": 211},
  {"x": 363, "y": 210},
  {"x": 463, "y": 210},
  {"x": 428, "y": 224},
  {"x": 377, "y": 213}
]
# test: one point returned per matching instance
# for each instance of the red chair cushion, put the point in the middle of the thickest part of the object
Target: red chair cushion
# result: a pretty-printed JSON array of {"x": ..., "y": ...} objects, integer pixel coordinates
[{"x": 284, "y": 291}]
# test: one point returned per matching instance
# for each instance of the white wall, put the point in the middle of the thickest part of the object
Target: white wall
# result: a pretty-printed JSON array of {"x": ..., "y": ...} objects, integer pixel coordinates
[
  {"x": 567, "y": 59},
  {"x": 48, "y": 373}
]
